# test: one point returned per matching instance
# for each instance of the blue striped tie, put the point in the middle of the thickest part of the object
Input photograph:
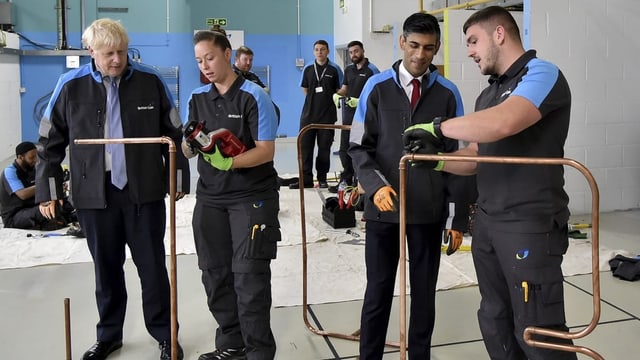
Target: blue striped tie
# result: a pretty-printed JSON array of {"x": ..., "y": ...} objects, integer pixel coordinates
[{"x": 118, "y": 161}]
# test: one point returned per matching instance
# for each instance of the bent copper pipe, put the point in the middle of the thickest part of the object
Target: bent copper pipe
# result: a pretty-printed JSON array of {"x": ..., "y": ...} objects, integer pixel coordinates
[
  {"x": 67, "y": 329},
  {"x": 355, "y": 336},
  {"x": 173, "y": 278},
  {"x": 531, "y": 330}
]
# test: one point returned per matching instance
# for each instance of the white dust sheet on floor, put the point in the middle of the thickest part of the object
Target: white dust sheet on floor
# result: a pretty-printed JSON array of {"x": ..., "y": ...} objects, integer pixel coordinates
[{"x": 335, "y": 259}]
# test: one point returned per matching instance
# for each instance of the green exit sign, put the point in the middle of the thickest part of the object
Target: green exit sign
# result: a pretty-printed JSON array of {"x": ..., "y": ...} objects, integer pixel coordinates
[{"x": 217, "y": 21}]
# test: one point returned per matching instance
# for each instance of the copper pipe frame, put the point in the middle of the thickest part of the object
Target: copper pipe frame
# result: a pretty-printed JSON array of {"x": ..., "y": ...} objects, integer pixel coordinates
[
  {"x": 531, "y": 330},
  {"x": 173, "y": 278},
  {"x": 67, "y": 329},
  {"x": 355, "y": 336}
]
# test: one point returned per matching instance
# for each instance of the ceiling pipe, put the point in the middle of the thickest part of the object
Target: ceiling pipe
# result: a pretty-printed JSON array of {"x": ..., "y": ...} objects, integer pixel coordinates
[
  {"x": 61, "y": 10},
  {"x": 299, "y": 33},
  {"x": 466, "y": 5},
  {"x": 168, "y": 15},
  {"x": 83, "y": 20}
]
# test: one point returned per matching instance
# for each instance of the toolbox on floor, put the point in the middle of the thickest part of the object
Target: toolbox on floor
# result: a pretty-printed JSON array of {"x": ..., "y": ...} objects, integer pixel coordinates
[{"x": 336, "y": 217}]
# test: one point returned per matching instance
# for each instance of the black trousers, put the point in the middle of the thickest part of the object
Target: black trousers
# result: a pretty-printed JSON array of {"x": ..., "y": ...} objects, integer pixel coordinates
[
  {"x": 324, "y": 139},
  {"x": 521, "y": 284},
  {"x": 348, "y": 172},
  {"x": 382, "y": 251},
  {"x": 141, "y": 228},
  {"x": 236, "y": 277},
  {"x": 27, "y": 218}
]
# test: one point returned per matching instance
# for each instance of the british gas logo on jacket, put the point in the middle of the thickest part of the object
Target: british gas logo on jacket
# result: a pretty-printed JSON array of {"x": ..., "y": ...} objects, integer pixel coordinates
[
  {"x": 146, "y": 107},
  {"x": 522, "y": 254},
  {"x": 235, "y": 116}
]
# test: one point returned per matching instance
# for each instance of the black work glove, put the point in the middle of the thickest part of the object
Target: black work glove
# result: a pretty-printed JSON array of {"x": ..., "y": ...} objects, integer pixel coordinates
[{"x": 424, "y": 138}]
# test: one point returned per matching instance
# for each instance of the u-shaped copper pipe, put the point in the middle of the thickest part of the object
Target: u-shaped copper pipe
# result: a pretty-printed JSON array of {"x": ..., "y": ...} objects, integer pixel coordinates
[
  {"x": 305, "y": 305},
  {"x": 173, "y": 278},
  {"x": 529, "y": 331},
  {"x": 595, "y": 263}
]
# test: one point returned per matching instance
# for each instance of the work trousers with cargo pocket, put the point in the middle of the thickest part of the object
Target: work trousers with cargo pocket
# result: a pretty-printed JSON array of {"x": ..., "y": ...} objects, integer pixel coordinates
[
  {"x": 235, "y": 243},
  {"x": 521, "y": 284}
]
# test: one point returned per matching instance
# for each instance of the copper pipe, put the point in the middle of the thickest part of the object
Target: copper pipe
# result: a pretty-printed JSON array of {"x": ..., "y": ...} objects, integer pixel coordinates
[
  {"x": 466, "y": 5},
  {"x": 595, "y": 268},
  {"x": 173, "y": 277},
  {"x": 355, "y": 336},
  {"x": 67, "y": 328}
]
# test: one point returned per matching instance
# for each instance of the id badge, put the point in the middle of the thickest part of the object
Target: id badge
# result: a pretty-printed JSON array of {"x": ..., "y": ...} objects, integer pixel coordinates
[{"x": 319, "y": 89}]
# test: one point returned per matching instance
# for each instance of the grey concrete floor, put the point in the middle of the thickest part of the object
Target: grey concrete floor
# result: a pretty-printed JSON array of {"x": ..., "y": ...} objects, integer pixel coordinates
[{"x": 31, "y": 309}]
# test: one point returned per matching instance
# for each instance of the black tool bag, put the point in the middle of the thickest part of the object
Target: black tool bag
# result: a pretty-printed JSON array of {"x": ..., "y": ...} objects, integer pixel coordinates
[{"x": 625, "y": 268}]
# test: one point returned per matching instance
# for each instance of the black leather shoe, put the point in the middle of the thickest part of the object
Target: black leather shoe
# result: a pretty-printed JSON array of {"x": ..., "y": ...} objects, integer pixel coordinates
[
  {"x": 296, "y": 185},
  {"x": 101, "y": 350},
  {"x": 165, "y": 350},
  {"x": 287, "y": 182},
  {"x": 322, "y": 184}
]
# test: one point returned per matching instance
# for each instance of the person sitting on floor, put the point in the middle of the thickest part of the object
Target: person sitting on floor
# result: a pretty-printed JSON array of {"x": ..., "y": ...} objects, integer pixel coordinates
[{"x": 17, "y": 195}]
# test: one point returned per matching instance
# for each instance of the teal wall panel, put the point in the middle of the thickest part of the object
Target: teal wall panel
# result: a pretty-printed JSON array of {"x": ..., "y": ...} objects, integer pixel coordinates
[{"x": 263, "y": 16}]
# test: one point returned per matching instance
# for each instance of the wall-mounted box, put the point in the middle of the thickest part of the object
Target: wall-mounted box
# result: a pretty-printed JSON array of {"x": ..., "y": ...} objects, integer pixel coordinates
[{"x": 6, "y": 16}]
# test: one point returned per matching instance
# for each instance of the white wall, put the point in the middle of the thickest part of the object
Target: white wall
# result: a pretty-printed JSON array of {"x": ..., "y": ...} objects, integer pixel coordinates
[
  {"x": 361, "y": 16},
  {"x": 595, "y": 43},
  {"x": 10, "y": 113}
]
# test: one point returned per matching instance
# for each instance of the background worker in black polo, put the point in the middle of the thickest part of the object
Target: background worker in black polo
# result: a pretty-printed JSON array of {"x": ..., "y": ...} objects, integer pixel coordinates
[
  {"x": 355, "y": 76},
  {"x": 320, "y": 81},
  {"x": 242, "y": 66}
]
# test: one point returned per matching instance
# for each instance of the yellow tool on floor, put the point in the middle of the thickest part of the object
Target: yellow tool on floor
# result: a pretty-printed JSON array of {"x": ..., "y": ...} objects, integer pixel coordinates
[
  {"x": 461, "y": 248},
  {"x": 578, "y": 226}
]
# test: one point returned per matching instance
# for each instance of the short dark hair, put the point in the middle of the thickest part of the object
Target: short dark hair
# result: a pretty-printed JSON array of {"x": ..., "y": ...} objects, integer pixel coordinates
[
  {"x": 216, "y": 38},
  {"x": 243, "y": 50},
  {"x": 321, "y": 42},
  {"x": 24, "y": 147},
  {"x": 492, "y": 16},
  {"x": 421, "y": 23},
  {"x": 355, "y": 43}
]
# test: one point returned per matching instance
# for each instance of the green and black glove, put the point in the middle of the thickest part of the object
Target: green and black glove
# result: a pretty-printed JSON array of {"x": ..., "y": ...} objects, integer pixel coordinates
[
  {"x": 424, "y": 138},
  {"x": 336, "y": 99},
  {"x": 352, "y": 102},
  {"x": 217, "y": 160}
]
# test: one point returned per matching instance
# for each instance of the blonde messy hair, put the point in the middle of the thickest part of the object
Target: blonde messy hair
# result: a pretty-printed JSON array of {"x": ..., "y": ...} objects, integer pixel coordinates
[{"x": 105, "y": 33}]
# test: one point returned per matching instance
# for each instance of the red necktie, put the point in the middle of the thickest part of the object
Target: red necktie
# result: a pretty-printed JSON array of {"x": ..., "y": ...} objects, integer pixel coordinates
[{"x": 415, "y": 93}]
